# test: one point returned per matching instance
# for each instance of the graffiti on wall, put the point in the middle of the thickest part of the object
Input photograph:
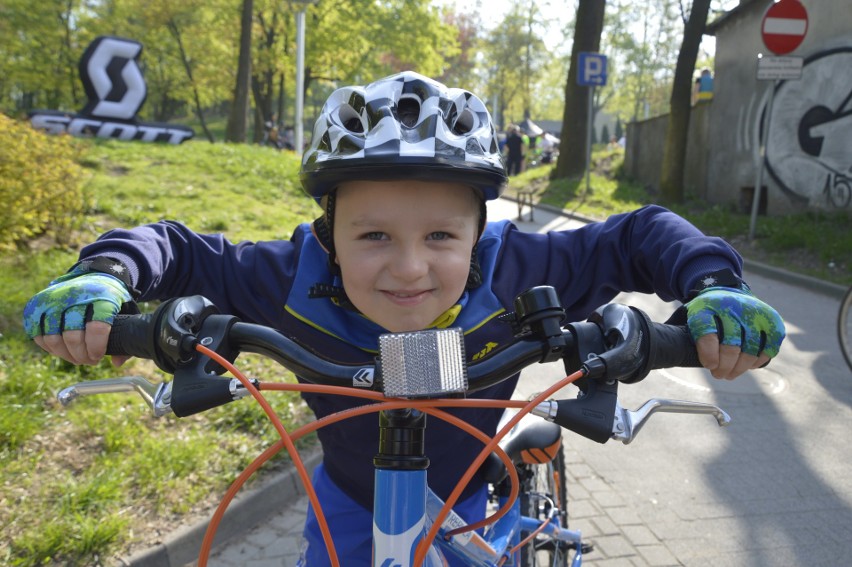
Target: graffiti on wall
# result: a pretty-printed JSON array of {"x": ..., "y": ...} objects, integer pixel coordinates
[{"x": 809, "y": 142}]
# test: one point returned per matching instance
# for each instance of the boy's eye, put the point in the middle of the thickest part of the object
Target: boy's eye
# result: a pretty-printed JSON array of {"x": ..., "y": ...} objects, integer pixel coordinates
[
  {"x": 374, "y": 236},
  {"x": 439, "y": 235}
]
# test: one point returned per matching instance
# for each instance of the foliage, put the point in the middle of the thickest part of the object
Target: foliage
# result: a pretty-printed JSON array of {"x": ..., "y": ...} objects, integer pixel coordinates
[
  {"x": 516, "y": 57},
  {"x": 82, "y": 484},
  {"x": 815, "y": 243},
  {"x": 40, "y": 183},
  {"x": 353, "y": 42},
  {"x": 641, "y": 40},
  {"x": 345, "y": 41}
]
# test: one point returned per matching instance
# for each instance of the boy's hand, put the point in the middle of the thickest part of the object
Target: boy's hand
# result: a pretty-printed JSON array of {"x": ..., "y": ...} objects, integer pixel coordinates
[
  {"x": 733, "y": 331},
  {"x": 72, "y": 318}
]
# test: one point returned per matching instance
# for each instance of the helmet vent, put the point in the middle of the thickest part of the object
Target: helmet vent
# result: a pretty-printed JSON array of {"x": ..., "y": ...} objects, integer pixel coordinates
[
  {"x": 350, "y": 119},
  {"x": 465, "y": 122},
  {"x": 408, "y": 111}
]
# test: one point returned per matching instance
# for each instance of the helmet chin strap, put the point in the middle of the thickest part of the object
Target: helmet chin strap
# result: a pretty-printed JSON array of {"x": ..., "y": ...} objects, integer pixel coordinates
[
  {"x": 474, "y": 277},
  {"x": 322, "y": 228}
]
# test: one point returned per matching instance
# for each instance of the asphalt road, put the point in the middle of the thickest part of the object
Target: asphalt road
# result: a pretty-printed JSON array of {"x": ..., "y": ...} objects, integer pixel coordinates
[{"x": 771, "y": 489}]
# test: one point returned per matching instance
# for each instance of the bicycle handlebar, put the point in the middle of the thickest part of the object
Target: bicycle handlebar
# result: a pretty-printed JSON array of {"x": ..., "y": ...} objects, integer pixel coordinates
[{"x": 617, "y": 344}]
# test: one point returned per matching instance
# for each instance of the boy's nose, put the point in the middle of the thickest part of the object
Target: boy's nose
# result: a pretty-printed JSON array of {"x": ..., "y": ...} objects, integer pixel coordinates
[{"x": 409, "y": 263}]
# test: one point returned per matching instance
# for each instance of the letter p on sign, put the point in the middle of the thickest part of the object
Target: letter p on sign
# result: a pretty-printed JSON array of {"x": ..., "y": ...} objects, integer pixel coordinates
[{"x": 592, "y": 69}]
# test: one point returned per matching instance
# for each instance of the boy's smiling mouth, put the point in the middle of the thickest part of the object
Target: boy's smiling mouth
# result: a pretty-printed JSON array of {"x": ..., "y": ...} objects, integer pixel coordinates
[{"x": 406, "y": 297}]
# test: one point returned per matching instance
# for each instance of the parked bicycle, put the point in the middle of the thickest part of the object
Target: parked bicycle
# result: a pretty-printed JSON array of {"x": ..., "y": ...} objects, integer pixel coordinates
[
  {"x": 844, "y": 327},
  {"x": 413, "y": 375}
]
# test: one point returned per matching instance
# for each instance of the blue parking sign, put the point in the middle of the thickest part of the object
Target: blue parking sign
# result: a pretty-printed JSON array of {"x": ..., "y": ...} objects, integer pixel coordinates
[{"x": 592, "y": 71}]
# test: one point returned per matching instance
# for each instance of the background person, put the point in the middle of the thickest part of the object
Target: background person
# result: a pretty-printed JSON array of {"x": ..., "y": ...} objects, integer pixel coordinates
[{"x": 515, "y": 149}]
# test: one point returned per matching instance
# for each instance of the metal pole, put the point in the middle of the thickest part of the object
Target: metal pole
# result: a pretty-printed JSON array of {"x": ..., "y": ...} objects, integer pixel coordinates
[
  {"x": 589, "y": 141},
  {"x": 300, "y": 80},
  {"x": 761, "y": 156}
]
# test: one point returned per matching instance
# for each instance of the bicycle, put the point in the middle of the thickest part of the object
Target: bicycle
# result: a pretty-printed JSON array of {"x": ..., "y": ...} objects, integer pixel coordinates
[
  {"x": 844, "y": 327},
  {"x": 412, "y": 375}
]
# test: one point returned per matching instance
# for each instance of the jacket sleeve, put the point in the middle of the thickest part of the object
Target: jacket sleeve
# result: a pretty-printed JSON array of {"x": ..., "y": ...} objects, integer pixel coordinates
[
  {"x": 651, "y": 250},
  {"x": 167, "y": 259}
]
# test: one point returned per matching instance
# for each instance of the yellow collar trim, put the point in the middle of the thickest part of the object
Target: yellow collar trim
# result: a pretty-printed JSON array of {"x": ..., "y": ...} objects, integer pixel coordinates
[{"x": 447, "y": 318}]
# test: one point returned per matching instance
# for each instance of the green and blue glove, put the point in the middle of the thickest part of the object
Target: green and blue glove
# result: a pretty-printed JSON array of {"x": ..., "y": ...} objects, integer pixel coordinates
[
  {"x": 71, "y": 301},
  {"x": 739, "y": 318}
]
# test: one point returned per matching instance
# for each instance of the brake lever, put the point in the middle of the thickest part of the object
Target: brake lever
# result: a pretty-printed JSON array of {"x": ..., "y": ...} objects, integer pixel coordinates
[
  {"x": 157, "y": 396},
  {"x": 628, "y": 423}
]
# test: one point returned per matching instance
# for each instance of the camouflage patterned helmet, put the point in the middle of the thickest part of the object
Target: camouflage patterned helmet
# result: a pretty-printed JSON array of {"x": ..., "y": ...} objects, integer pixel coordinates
[{"x": 403, "y": 126}]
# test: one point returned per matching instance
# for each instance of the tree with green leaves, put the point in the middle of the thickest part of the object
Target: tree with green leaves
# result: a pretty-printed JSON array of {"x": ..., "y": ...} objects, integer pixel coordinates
[
  {"x": 639, "y": 38},
  {"x": 191, "y": 51},
  {"x": 460, "y": 66},
  {"x": 515, "y": 59},
  {"x": 39, "y": 50}
]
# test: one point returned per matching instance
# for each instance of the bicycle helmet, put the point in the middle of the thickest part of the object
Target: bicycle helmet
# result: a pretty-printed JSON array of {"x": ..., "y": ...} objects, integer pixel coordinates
[{"x": 405, "y": 125}]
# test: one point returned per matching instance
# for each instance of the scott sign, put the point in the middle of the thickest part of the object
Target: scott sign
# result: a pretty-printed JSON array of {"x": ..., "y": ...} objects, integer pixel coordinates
[{"x": 116, "y": 90}]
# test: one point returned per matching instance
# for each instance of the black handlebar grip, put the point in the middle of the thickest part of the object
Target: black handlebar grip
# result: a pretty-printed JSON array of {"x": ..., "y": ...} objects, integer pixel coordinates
[
  {"x": 672, "y": 346},
  {"x": 132, "y": 335}
]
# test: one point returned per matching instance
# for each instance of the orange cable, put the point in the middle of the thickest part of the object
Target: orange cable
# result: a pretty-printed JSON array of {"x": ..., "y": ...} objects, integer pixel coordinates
[
  {"x": 345, "y": 414},
  {"x": 207, "y": 543},
  {"x": 428, "y": 406}
]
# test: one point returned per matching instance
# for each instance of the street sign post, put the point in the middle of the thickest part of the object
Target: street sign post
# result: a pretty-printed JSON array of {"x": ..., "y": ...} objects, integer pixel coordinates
[
  {"x": 783, "y": 29},
  {"x": 591, "y": 73}
]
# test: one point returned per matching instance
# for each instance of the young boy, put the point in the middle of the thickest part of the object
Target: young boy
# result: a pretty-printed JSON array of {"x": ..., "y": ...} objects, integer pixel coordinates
[{"x": 402, "y": 169}]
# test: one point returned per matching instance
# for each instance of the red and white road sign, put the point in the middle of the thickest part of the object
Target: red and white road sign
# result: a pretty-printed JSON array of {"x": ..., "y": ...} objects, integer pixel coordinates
[{"x": 784, "y": 26}]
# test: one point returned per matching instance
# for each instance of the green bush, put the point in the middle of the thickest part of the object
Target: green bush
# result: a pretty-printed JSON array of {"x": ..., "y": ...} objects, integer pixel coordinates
[{"x": 40, "y": 184}]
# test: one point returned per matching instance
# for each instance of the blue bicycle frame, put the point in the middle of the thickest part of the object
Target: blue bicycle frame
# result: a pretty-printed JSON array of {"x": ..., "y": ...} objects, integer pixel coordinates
[{"x": 405, "y": 508}]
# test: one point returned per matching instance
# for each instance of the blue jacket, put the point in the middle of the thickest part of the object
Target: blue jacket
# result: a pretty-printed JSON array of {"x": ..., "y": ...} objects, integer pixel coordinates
[{"x": 650, "y": 250}]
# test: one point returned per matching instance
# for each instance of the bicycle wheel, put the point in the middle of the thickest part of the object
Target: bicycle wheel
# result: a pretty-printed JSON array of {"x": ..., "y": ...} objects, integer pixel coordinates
[
  {"x": 542, "y": 488},
  {"x": 844, "y": 327}
]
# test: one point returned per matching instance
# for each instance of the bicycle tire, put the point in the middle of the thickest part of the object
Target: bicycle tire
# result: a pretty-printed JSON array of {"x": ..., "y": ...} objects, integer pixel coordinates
[
  {"x": 844, "y": 327},
  {"x": 542, "y": 486}
]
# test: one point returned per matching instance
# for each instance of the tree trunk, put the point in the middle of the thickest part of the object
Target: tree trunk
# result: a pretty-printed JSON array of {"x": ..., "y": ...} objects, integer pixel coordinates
[
  {"x": 263, "y": 80},
  {"x": 575, "y": 120},
  {"x": 281, "y": 99},
  {"x": 238, "y": 117},
  {"x": 677, "y": 132},
  {"x": 187, "y": 66}
]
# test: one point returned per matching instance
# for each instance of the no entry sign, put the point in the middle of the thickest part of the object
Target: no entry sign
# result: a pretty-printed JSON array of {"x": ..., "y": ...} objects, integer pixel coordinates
[{"x": 784, "y": 26}]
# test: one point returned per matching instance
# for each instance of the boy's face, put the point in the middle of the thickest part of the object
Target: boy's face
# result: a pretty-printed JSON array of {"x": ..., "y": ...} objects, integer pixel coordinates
[{"x": 404, "y": 248}]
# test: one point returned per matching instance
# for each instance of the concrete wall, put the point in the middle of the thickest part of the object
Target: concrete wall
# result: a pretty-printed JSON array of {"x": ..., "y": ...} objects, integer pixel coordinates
[
  {"x": 809, "y": 139},
  {"x": 644, "y": 152}
]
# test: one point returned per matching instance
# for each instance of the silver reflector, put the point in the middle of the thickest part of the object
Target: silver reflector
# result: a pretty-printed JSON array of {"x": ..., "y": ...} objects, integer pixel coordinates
[{"x": 423, "y": 364}]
